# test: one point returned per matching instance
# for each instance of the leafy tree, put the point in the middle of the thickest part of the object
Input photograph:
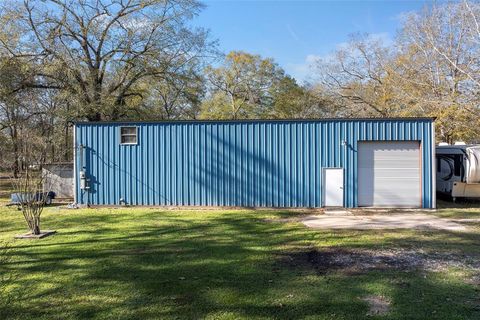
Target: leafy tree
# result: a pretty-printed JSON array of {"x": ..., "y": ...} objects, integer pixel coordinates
[
  {"x": 174, "y": 98},
  {"x": 249, "y": 86},
  {"x": 220, "y": 106},
  {"x": 288, "y": 98},
  {"x": 240, "y": 87},
  {"x": 292, "y": 101}
]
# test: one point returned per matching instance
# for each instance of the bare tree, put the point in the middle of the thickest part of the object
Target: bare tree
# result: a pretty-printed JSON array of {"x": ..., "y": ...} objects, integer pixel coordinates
[
  {"x": 99, "y": 50},
  {"x": 450, "y": 35},
  {"x": 439, "y": 61},
  {"x": 17, "y": 107},
  {"x": 174, "y": 98},
  {"x": 356, "y": 75},
  {"x": 432, "y": 68}
]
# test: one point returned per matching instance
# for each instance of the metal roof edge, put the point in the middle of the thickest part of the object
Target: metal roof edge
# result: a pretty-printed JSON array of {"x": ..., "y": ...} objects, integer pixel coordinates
[{"x": 258, "y": 120}]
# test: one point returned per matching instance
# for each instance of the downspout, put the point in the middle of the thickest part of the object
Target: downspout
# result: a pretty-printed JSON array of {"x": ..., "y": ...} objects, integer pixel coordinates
[
  {"x": 75, "y": 185},
  {"x": 84, "y": 188},
  {"x": 434, "y": 168}
]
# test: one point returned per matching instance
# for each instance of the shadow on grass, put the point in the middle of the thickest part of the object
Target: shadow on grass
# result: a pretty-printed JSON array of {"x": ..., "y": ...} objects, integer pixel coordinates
[{"x": 164, "y": 265}]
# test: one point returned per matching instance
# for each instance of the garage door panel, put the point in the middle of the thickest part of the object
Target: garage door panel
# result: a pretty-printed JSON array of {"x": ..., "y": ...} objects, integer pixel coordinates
[
  {"x": 403, "y": 185},
  {"x": 398, "y": 202},
  {"x": 389, "y": 174},
  {"x": 392, "y": 177},
  {"x": 395, "y": 170},
  {"x": 398, "y": 173},
  {"x": 398, "y": 193},
  {"x": 396, "y": 163}
]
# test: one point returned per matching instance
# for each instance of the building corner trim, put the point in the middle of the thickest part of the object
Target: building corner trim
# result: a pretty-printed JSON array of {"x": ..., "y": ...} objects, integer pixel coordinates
[{"x": 74, "y": 145}]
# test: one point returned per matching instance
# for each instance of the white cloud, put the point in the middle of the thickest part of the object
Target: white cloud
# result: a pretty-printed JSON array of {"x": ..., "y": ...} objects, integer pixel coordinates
[{"x": 303, "y": 71}]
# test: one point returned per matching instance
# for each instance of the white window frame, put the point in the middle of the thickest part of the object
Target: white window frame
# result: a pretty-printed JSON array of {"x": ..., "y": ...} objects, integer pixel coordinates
[{"x": 121, "y": 135}]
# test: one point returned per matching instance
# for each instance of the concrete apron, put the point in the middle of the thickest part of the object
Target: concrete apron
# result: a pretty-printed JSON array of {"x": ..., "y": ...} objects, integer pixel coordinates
[
  {"x": 385, "y": 221},
  {"x": 337, "y": 212}
]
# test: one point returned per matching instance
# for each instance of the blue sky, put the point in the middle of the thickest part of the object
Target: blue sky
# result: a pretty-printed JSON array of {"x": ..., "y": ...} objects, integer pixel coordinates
[{"x": 295, "y": 32}]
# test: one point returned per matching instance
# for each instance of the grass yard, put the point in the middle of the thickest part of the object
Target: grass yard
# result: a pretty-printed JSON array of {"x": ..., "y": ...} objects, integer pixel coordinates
[
  {"x": 5, "y": 188},
  {"x": 138, "y": 263}
]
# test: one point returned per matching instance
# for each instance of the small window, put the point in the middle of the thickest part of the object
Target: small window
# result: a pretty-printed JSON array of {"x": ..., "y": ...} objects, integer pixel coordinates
[{"x": 128, "y": 135}]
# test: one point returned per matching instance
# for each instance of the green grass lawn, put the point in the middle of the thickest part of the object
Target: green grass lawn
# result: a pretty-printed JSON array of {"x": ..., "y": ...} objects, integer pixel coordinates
[{"x": 138, "y": 263}]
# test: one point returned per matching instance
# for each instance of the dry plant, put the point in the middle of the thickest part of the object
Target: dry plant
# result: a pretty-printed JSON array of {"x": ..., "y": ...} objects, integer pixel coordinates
[{"x": 31, "y": 193}]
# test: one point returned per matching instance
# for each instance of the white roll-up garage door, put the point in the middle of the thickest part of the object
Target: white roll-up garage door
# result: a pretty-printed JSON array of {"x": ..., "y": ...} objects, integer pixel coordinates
[{"x": 389, "y": 174}]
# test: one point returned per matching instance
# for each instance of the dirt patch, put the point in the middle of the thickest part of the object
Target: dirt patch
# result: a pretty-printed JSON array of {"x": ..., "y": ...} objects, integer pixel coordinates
[
  {"x": 299, "y": 218},
  {"x": 380, "y": 211},
  {"x": 294, "y": 215},
  {"x": 358, "y": 261},
  {"x": 379, "y": 306}
]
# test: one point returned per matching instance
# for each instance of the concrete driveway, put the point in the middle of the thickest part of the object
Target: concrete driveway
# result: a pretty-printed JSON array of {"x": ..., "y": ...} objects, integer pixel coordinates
[{"x": 381, "y": 221}]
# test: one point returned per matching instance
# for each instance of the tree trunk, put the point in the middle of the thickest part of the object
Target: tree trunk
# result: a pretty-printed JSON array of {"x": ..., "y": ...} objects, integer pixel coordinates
[
  {"x": 36, "y": 229},
  {"x": 67, "y": 138},
  {"x": 16, "y": 165}
]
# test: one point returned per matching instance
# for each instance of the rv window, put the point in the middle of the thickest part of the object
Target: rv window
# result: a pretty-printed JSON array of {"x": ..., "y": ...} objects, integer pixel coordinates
[
  {"x": 128, "y": 135},
  {"x": 457, "y": 164}
]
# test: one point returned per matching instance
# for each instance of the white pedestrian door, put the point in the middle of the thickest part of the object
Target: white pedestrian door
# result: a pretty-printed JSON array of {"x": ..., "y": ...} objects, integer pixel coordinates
[{"x": 333, "y": 186}]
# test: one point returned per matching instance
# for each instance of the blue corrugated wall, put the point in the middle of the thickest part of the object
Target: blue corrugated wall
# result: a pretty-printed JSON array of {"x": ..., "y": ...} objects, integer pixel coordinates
[{"x": 234, "y": 163}]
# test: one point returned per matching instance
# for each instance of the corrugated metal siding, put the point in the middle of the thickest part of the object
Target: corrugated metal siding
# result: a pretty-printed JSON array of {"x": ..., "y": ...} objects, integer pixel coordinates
[{"x": 243, "y": 163}]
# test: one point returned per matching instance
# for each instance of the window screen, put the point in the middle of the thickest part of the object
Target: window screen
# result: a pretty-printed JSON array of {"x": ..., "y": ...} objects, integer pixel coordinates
[{"x": 128, "y": 135}]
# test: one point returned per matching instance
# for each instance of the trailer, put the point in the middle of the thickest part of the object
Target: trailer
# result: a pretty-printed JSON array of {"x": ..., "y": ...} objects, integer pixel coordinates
[{"x": 458, "y": 170}]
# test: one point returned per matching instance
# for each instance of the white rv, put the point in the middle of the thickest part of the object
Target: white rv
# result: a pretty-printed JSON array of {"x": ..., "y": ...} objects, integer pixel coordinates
[{"x": 458, "y": 170}]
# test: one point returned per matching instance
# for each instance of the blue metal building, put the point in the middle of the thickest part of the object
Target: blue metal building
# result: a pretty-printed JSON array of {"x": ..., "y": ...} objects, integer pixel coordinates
[{"x": 257, "y": 163}]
